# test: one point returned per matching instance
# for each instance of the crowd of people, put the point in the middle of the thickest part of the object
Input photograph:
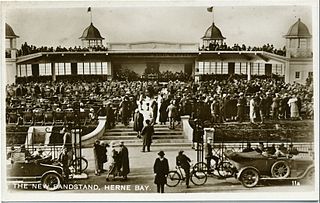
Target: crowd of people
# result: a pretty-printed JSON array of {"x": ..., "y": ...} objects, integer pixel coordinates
[
  {"x": 236, "y": 47},
  {"x": 31, "y": 49},
  {"x": 240, "y": 100},
  {"x": 146, "y": 103}
]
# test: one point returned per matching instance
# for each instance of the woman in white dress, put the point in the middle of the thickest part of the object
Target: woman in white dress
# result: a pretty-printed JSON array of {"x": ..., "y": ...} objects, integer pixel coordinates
[
  {"x": 293, "y": 104},
  {"x": 252, "y": 113}
]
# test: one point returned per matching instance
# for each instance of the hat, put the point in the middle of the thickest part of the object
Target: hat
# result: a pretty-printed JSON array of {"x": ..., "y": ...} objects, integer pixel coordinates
[
  {"x": 161, "y": 153},
  {"x": 181, "y": 151},
  {"x": 112, "y": 144}
]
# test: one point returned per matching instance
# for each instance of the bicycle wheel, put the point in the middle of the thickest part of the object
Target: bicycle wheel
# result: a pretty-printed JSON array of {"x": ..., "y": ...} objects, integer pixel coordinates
[
  {"x": 173, "y": 178},
  {"x": 198, "y": 177},
  {"x": 200, "y": 166},
  {"x": 80, "y": 161},
  {"x": 225, "y": 169}
]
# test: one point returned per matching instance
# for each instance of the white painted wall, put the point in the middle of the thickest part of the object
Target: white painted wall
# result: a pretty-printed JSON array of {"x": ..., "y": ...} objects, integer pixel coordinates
[
  {"x": 303, "y": 67},
  {"x": 11, "y": 71}
]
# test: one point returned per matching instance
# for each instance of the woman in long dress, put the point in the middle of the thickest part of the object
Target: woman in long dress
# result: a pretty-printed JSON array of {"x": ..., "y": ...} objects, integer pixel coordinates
[
  {"x": 252, "y": 114},
  {"x": 112, "y": 157},
  {"x": 294, "y": 110}
]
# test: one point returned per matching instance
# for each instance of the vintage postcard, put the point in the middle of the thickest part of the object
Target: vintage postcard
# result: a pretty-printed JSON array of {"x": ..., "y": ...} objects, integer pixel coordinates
[{"x": 203, "y": 100}]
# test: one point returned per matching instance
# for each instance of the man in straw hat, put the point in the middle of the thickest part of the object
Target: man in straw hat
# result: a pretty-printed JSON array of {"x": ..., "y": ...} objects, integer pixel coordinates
[{"x": 161, "y": 170}]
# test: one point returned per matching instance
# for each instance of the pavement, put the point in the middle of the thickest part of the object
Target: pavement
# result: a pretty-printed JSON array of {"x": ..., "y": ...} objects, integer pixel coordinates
[{"x": 141, "y": 177}]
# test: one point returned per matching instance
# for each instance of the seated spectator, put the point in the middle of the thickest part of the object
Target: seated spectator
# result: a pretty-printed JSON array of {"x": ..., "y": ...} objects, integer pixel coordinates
[
  {"x": 248, "y": 148},
  {"x": 260, "y": 149},
  {"x": 281, "y": 151}
]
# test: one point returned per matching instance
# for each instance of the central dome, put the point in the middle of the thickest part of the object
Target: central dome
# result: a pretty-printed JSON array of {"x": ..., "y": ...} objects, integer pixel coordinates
[
  {"x": 213, "y": 33},
  {"x": 298, "y": 30},
  {"x": 91, "y": 33}
]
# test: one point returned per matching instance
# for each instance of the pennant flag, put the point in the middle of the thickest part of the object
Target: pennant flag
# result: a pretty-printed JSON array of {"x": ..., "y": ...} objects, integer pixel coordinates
[
  {"x": 89, "y": 9},
  {"x": 210, "y": 9}
]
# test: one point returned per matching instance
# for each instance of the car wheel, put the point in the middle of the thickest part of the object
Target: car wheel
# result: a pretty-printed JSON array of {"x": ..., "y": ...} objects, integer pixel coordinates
[
  {"x": 249, "y": 177},
  {"x": 280, "y": 169},
  {"x": 226, "y": 170},
  {"x": 51, "y": 181}
]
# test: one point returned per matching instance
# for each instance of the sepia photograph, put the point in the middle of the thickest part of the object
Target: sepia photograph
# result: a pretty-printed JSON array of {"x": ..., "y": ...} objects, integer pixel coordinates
[{"x": 200, "y": 100}]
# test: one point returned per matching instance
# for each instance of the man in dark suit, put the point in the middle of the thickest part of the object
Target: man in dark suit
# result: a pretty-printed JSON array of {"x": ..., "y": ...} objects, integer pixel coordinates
[
  {"x": 124, "y": 156},
  {"x": 183, "y": 161},
  {"x": 161, "y": 170},
  {"x": 147, "y": 133}
]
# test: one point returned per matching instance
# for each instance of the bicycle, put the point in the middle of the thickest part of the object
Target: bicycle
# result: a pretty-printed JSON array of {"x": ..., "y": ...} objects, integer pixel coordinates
[
  {"x": 75, "y": 163},
  {"x": 223, "y": 168},
  {"x": 196, "y": 177}
]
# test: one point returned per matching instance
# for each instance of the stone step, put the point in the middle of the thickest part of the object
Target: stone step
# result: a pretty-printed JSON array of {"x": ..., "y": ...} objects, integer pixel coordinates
[
  {"x": 135, "y": 133},
  {"x": 129, "y": 129},
  {"x": 130, "y": 137},
  {"x": 172, "y": 140},
  {"x": 139, "y": 144}
]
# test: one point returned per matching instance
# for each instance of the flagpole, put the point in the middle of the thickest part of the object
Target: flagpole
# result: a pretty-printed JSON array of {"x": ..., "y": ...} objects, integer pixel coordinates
[{"x": 212, "y": 15}]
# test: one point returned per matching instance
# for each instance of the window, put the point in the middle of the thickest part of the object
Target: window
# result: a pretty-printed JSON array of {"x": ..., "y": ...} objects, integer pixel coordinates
[
  {"x": 310, "y": 74},
  {"x": 67, "y": 68},
  {"x": 104, "y": 68},
  {"x": 86, "y": 69},
  {"x": 93, "y": 68},
  {"x": 237, "y": 68},
  {"x": 29, "y": 70},
  {"x": 60, "y": 69},
  {"x": 262, "y": 70},
  {"x": 244, "y": 67},
  {"x": 200, "y": 67},
  {"x": 80, "y": 68},
  {"x": 48, "y": 69},
  {"x": 303, "y": 43},
  {"x": 224, "y": 68},
  {"x": 99, "y": 69},
  {"x": 42, "y": 69},
  {"x": 206, "y": 68},
  {"x": 297, "y": 75},
  {"x": 255, "y": 69}
]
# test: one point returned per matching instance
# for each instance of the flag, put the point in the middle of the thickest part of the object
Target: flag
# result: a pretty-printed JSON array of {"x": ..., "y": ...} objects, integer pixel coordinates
[
  {"x": 89, "y": 9},
  {"x": 210, "y": 9}
]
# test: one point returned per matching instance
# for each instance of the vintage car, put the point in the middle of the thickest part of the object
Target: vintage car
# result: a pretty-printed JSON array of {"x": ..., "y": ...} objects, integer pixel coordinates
[
  {"x": 41, "y": 174},
  {"x": 253, "y": 167}
]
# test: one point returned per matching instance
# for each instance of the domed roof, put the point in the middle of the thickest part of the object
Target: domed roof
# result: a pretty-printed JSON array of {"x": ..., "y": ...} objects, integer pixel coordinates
[
  {"x": 91, "y": 33},
  {"x": 213, "y": 32},
  {"x": 298, "y": 30},
  {"x": 10, "y": 33}
]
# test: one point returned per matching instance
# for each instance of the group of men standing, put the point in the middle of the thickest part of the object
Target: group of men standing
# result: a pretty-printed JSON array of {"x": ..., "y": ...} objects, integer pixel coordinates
[{"x": 117, "y": 161}]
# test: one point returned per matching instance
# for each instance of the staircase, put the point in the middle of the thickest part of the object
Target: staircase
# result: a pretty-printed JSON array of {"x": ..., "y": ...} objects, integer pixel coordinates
[{"x": 163, "y": 136}]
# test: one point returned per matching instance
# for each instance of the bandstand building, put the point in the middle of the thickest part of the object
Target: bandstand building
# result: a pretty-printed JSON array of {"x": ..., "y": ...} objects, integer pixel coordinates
[{"x": 189, "y": 58}]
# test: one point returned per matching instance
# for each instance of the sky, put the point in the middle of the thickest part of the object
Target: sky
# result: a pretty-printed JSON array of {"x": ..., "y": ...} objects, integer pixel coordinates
[{"x": 63, "y": 25}]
